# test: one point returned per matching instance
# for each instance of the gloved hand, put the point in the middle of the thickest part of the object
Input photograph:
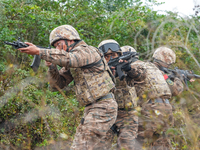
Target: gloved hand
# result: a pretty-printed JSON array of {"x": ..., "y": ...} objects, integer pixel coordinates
[{"x": 126, "y": 67}]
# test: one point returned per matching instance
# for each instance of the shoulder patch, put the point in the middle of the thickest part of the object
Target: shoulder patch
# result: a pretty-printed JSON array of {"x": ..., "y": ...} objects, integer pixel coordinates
[{"x": 170, "y": 82}]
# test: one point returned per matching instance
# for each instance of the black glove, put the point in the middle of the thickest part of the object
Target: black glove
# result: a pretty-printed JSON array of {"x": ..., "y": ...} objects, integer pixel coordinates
[{"x": 126, "y": 67}]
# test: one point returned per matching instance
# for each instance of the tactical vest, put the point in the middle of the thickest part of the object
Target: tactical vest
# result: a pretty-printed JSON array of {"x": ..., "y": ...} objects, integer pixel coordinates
[
  {"x": 154, "y": 85},
  {"x": 93, "y": 85},
  {"x": 124, "y": 94}
]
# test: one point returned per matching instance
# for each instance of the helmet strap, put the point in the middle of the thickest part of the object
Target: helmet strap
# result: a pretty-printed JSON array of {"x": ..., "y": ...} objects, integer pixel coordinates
[
  {"x": 72, "y": 45},
  {"x": 161, "y": 63}
]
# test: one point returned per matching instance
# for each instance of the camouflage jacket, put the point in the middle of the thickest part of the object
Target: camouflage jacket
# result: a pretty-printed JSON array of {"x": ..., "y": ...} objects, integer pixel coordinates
[
  {"x": 125, "y": 95},
  {"x": 175, "y": 86},
  {"x": 148, "y": 81},
  {"x": 91, "y": 83}
]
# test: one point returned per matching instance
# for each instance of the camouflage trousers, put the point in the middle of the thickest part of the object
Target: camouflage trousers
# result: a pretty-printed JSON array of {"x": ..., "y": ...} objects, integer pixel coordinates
[
  {"x": 98, "y": 119},
  {"x": 126, "y": 127},
  {"x": 155, "y": 120}
]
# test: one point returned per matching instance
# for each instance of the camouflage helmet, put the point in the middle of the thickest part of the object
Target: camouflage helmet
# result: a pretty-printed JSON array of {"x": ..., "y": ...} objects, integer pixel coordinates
[
  {"x": 165, "y": 55},
  {"x": 127, "y": 48},
  {"x": 64, "y": 32},
  {"x": 110, "y": 45}
]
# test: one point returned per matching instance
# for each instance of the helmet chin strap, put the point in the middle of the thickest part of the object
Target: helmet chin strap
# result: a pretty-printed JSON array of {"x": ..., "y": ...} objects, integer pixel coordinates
[
  {"x": 72, "y": 45},
  {"x": 161, "y": 63}
]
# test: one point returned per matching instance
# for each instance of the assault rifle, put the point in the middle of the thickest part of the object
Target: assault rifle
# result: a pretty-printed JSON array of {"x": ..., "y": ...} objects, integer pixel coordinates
[
  {"x": 184, "y": 75},
  {"x": 119, "y": 66},
  {"x": 19, "y": 44}
]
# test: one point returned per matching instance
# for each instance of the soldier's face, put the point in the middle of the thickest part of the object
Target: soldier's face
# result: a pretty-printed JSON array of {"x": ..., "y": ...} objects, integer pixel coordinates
[
  {"x": 108, "y": 56},
  {"x": 60, "y": 45}
]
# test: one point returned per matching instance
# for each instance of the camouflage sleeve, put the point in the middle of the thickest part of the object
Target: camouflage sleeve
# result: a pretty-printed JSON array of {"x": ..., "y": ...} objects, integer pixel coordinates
[
  {"x": 137, "y": 72},
  {"x": 58, "y": 79},
  {"x": 78, "y": 57},
  {"x": 175, "y": 86}
]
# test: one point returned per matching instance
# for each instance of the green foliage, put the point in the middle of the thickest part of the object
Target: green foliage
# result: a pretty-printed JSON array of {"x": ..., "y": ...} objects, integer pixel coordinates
[
  {"x": 32, "y": 115},
  {"x": 37, "y": 115}
]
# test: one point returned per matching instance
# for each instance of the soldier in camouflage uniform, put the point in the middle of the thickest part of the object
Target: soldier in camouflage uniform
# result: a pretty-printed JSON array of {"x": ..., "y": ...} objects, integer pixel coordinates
[
  {"x": 156, "y": 112},
  {"x": 126, "y": 125},
  {"x": 165, "y": 57},
  {"x": 93, "y": 82}
]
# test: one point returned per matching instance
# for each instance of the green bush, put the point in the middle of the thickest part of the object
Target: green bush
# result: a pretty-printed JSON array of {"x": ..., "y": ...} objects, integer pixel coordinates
[{"x": 33, "y": 116}]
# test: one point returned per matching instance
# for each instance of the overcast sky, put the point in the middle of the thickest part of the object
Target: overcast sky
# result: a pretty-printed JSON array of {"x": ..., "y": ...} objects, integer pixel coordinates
[{"x": 184, "y": 7}]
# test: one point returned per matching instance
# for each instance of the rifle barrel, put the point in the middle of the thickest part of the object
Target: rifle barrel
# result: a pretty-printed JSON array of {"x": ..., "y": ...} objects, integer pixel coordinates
[
  {"x": 9, "y": 43},
  {"x": 197, "y": 76}
]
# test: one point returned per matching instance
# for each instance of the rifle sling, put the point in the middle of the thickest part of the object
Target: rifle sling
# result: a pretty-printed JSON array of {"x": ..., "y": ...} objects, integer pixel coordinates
[{"x": 91, "y": 65}]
